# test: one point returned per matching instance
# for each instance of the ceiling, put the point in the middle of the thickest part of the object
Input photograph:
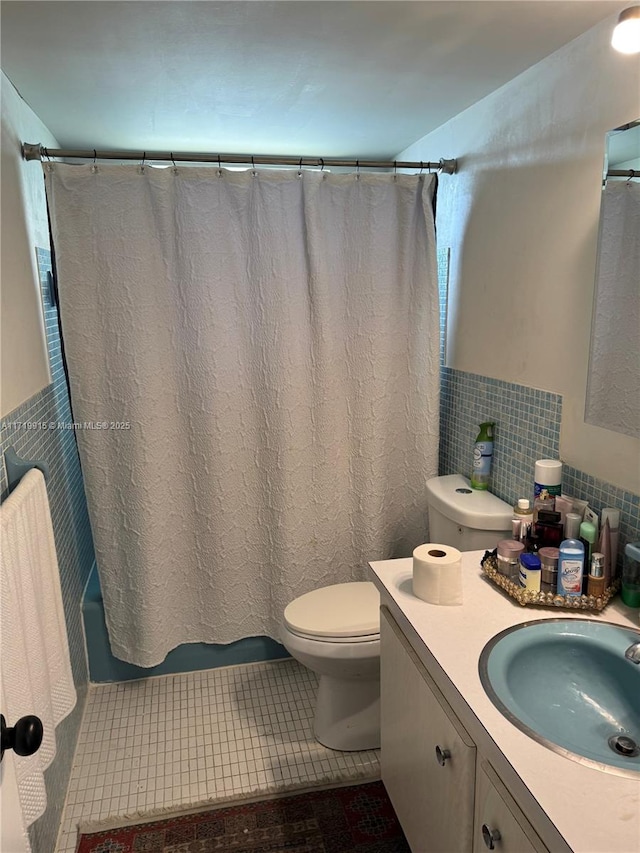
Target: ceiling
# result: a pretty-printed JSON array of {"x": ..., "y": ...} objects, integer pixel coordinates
[{"x": 353, "y": 79}]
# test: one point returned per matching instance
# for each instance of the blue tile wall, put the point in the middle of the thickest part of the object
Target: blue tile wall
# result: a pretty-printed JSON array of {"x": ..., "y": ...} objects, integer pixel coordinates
[
  {"x": 527, "y": 428},
  {"x": 74, "y": 545},
  {"x": 601, "y": 494}
]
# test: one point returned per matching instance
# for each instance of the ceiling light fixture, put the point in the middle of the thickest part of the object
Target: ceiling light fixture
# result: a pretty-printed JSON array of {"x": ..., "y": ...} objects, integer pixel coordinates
[{"x": 626, "y": 35}]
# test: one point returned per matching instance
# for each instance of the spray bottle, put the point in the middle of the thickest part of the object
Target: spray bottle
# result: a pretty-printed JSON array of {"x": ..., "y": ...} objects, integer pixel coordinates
[{"x": 482, "y": 457}]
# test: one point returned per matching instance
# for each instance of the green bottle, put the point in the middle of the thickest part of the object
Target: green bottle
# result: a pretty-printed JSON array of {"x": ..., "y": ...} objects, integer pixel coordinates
[{"x": 482, "y": 457}]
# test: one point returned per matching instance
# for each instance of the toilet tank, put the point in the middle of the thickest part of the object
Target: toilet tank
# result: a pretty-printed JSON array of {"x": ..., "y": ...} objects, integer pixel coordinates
[{"x": 465, "y": 518}]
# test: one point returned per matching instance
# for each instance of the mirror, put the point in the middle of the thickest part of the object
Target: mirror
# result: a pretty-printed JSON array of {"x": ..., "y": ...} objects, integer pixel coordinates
[{"x": 613, "y": 388}]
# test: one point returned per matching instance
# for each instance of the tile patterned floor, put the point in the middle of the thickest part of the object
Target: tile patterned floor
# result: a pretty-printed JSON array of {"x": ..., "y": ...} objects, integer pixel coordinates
[{"x": 179, "y": 740}]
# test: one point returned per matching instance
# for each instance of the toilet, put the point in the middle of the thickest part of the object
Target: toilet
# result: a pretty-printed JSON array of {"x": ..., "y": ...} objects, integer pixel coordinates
[
  {"x": 465, "y": 518},
  {"x": 335, "y": 630}
]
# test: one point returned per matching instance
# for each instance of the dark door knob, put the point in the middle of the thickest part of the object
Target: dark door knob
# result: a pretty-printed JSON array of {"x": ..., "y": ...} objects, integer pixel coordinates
[{"x": 24, "y": 738}]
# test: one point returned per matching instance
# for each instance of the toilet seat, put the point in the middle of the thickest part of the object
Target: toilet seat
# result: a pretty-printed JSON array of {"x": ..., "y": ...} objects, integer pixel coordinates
[{"x": 343, "y": 612}]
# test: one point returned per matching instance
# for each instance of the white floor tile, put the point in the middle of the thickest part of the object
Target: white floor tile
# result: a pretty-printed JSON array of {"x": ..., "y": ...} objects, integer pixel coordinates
[{"x": 179, "y": 740}]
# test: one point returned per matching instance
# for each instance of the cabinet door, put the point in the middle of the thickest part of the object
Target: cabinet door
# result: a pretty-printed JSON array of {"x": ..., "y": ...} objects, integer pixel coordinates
[
  {"x": 427, "y": 758},
  {"x": 499, "y": 824}
]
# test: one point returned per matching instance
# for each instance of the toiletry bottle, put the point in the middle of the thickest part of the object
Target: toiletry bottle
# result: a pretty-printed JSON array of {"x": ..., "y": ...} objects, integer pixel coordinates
[
  {"x": 613, "y": 516},
  {"x": 595, "y": 585},
  {"x": 592, "y": 516},
  {"x": 564, "y": 506},
  {"x": 588, "y": 538},
  {"x": 523, "y": 515},
  {"x": 580, "y": 507},
  {"x": 572, "y": 523},
  {"x": 604, "y": 547},
  {"x": 547, "y": 484},
  {"x": 530, "y": 572},
  {"x": 482, "y": 457},
  {"x": 548, "y": 529},
  {"x": 533, "y": 543},
  {"x": 570, "y": 567}
]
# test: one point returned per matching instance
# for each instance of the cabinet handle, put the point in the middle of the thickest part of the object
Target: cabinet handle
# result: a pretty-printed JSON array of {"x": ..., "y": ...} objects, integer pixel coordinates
[
  {"x": 489, "y": 836},
  {"x": 442, "y": 755}
]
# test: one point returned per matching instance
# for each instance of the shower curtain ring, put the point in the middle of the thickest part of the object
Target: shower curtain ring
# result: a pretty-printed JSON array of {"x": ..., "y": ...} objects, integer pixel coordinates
[
  {"x": 395, "y": 170},
  {"x": 219, "y": 167},
  {"x": 253, "y": 167},
  {"x": 357, "y": 170},
  {"x": 94, "y": 165},
  {"x": 321, "y": 161},
  {"x": 175, "y": 168},
  {"x": 300, "y": 168},
  {"x": 421, "y": 167},
  {"x": 144, "y": 157}
]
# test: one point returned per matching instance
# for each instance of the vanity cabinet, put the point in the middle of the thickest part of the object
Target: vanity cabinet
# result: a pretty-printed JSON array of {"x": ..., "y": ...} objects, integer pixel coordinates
[
  {"x": 427, "y": 758},
  {"x": 498, "y": 823},
  {"x": 448, "y": 799}
]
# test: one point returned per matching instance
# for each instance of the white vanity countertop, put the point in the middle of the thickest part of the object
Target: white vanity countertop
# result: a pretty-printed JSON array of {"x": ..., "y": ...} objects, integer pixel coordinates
[{"x": 594, "y": 811}]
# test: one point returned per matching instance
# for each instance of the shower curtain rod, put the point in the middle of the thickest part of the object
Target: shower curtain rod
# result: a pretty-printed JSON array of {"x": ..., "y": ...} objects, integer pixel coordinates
[
  {"x": 623, "y": 173},
  {"x": 35, "y": 151}
]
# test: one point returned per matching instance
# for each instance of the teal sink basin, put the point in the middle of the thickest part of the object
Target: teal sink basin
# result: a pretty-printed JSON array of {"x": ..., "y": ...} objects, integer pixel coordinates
[{"x": 567, "y": 684}]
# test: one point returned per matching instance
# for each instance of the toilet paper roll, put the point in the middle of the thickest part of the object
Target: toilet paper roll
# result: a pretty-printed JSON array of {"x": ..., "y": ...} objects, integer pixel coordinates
[{"x": 437, "y": 574}]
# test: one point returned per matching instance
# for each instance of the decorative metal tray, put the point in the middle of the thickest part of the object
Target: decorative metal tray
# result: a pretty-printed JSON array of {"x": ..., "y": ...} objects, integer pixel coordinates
[{"x": 524, "y": 597}]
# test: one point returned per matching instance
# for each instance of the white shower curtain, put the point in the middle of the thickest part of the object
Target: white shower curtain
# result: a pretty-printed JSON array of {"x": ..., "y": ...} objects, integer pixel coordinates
[{"x": 253, "y": 359}]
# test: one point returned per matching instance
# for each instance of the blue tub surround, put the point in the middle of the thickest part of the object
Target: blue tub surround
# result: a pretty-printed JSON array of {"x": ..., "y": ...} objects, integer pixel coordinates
[{"x": 189, "y": 657}]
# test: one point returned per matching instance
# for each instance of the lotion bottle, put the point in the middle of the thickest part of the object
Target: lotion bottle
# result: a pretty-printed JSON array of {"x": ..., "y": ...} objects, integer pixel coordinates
[
  {"x": 596, "y": 585},
  {"x": 523, "y": 517}
]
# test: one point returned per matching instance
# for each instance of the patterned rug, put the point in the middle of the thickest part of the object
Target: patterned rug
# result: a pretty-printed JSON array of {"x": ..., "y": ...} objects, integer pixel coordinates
[{"x": 354, "y": 819}]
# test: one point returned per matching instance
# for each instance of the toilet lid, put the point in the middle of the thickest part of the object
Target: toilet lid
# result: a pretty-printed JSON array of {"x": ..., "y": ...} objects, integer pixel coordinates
[{"x": 341, "y": 610}]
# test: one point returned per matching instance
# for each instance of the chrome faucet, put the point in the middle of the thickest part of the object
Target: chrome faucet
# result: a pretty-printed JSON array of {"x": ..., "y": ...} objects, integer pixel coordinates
[{"x": 633, "y": 653}]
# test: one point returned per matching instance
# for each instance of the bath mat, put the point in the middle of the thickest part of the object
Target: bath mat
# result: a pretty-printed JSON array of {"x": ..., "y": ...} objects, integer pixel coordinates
[{"x": 354, "y": 819}]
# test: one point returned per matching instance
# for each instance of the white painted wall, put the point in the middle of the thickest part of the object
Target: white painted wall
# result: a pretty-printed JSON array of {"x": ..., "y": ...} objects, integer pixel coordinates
[
  {"x": 521, "y": 219},
  {"x": 24, "y": 367}
]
